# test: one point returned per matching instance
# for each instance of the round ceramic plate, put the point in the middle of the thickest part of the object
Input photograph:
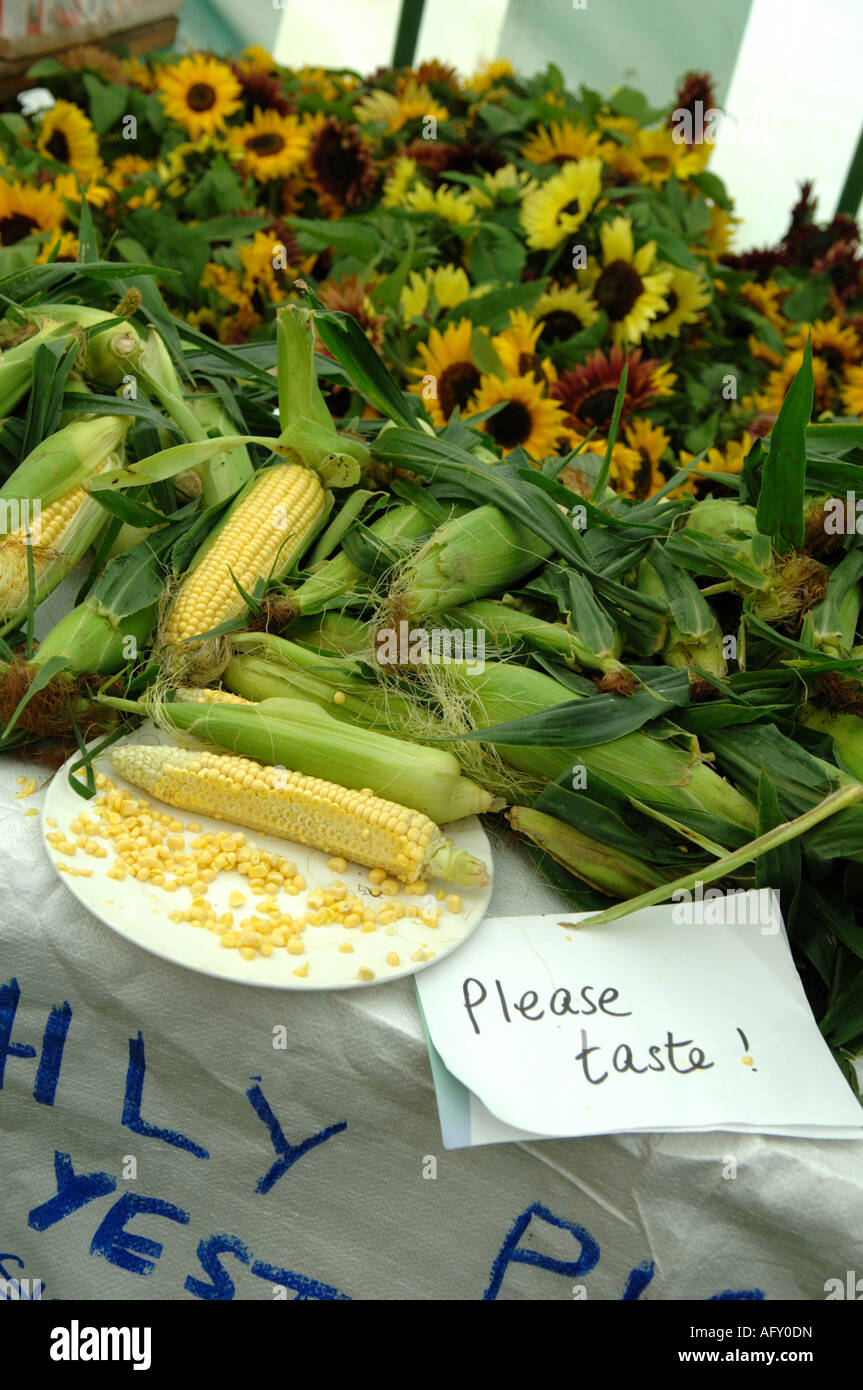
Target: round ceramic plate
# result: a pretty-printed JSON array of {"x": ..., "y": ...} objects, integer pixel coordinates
[{"x": 139, "y": 912}]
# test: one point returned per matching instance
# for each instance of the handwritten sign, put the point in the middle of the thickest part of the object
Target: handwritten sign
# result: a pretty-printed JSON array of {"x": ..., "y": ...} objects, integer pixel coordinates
[{"x": 663, "y": 1021}]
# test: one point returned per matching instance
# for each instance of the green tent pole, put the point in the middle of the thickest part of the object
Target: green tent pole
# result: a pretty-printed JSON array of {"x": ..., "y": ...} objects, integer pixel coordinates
[
  {"x": 408, "y": 33},
  {"x": 852, "y": 192}
]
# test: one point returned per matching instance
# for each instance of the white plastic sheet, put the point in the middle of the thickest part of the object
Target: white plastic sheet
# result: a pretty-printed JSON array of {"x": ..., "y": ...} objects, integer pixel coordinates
[{"x": 157, "y": 1058}]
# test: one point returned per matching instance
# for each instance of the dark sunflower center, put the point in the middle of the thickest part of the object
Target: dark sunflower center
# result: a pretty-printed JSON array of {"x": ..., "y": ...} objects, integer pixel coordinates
[
  {"x": 58, "y": 147},
  {"x": 558, "y": 325},
  {"x": 456, "y": 386},
  {"x": 529, "y": 362},
  {"x": 657, "y": 161},
  {"x": 271, "y": 142},
  {"x": 201, "y": 97},
  {"x": 597, "y": 408},
  {"x": 15, "y": 228},
  {"x": 617, "y": 289},
  {"x": 643, "y": 474},
  {"x": 510, "y": 426},
  {"x": 342, "y": 164},
  {"x": 673, "y": 302},
  {"x": 832, "y": 356},
  {"x": 572, "y": 207}
]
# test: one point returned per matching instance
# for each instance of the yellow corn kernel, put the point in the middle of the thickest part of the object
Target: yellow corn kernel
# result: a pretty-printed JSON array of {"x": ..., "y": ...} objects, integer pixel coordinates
[
  {"x": 364, "y": 973},
  {"x": 346, "y": 948},
  {"x": 392, "y": 958},
  {"x": 302, "y": 970}
]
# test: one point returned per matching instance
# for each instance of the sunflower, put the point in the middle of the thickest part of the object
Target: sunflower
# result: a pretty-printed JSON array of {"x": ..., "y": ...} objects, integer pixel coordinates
[
  {"x": 414, "y": 102},
  {"x": 24, "y": 210},
  {"x": 630, "y": 295},
  {"x": 838, "y": 344},
  {"x": 553, "y": 212},
  {"x": 528, "y": 418},
  {"x": 852, "y": 392},
  {"x": 762, "y": 352},
  {"x": 650, "y": 443},
  {"x": 137, "y": 73},
  {"x": 96, "y": 195},
  {"x": 588, "y": 392},
  {"x": 206, "y": 321},
  {"x": 719, "y": 237},
  {"x": 776, "y": 386},
  {"x": 561, "y": 142},
  {"x": 350, "y": 295},
  {"x": 626, "y": 465},
  {"x": 448, "y": 363},
  {"x": 562, "y": 312},
  {"x": 128, "y": 169},
  {"x": 661, "y": 156},
  {"x": 272, "y": 146},
  {"x": 199, "y": 93},
  {"x": 396, "y": 186},
  {"x": 447, "y": 283},
  {"x": 516, "y": 347},
  {"x": 728, "y": 460},
  {"x": 342, "y": 165},
  {"x": 455, "y": 208},
  {"x": 487, "y": 74},
  {"x": 67, "y": 136},
  {"x": 766, "y": 298},
  {"x": 60, "y": 246},
  {"x": 504, "y": 184},
  {"x": 687, "y": 295}
]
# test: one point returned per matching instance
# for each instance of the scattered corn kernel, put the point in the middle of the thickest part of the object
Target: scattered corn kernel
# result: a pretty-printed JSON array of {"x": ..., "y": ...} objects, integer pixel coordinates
[
  {"x": 392, "y": 958},
  {"x": 364, "y": 973},
  {"x": 453, "y": 902},
  {"x": 346, "y": 948}
]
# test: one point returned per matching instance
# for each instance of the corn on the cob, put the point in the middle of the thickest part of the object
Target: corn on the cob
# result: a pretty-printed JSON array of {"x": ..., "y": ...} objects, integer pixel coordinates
[
  {"x": 322, "y": 815},
  {"x": 608, "y": 870},
  {"x": 338, "y": 578},
  {"x": 267, "y": 527},
  {"x": 206, "y": 694}
]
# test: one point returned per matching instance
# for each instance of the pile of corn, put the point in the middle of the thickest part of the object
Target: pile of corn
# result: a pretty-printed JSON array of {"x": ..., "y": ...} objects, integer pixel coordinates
[{"x": 358, "y": 631}]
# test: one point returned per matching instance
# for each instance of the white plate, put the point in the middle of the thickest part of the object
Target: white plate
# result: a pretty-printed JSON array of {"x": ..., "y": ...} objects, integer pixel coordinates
[{"x": 139, "y": 912}]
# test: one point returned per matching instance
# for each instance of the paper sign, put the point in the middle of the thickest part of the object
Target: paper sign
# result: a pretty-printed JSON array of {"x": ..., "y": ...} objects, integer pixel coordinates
[{"x": 661, "y": 1021}]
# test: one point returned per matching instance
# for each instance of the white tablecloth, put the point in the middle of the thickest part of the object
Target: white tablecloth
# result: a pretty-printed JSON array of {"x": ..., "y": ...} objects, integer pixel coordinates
[{"x": 171, "y": 1126}]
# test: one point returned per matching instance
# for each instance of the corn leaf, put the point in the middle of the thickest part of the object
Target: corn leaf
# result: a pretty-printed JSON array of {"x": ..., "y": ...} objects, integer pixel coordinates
[{"x": 783, "y": 482}]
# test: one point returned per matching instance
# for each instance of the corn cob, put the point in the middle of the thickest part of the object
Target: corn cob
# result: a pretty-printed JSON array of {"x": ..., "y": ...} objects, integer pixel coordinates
[
  {"x": 466, "y": 558},
  {"x": 299, "y": 735},
  {"x": 691, "y": 634},
  {"x": 206, "y": 694},
  {"x": 608, "y": 870},
  {"x": 356, "y": 825},
  {"x": 268, "y": 526}
]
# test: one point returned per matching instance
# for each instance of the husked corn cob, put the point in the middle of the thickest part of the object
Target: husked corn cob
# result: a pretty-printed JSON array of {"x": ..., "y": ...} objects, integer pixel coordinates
[
  {"x": 264, "y": 530},
  {"x": 209, "y": 695},
  {"x": 60, "y": 536},
  {"x": 356, "y": 825}
]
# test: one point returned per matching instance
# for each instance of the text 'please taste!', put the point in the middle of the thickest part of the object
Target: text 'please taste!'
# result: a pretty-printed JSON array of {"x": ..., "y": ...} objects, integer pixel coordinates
[{"x": 671, "y": 1054}]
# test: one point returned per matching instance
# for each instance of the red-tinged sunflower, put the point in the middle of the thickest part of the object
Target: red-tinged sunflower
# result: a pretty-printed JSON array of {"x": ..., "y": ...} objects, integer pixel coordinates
[
  {"x": 588, "y": 392},
  {"x": 199, "y": 93},
  {"x": 24, "y": 210},
  {"x": 67, "y": 136},
  {"x": 695, "y": 95},
  {"x": 627, "y": 286},
  {"x": 272, "y": 146},
  {"x": 342, "y": 165},
  {"x": 562, "y": 141},
  {"x": 528, "y": 418},
  {"x": 350, "y": 295},
  {"x": 449, "y": 376},
  {"x": 262, "y": 90}
]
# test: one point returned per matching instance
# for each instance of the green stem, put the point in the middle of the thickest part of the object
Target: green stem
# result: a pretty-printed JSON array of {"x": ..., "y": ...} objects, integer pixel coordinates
[{"x": 789, "y": 830}]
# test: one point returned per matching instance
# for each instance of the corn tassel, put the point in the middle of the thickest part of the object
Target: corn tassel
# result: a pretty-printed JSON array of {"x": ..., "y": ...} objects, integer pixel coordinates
[{"x": 308, "y": 811}]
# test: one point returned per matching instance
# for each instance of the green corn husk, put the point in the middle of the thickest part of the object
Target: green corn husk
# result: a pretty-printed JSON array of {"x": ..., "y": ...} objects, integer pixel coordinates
[
  {"x": 778, "y": 589},
  {"x": 65, "y": 460},
  {"x": 846, "y": 731},
  {"x": 831, "y": 626},
  {"x": 89, "y": 643},
  {"x": 609, "y": 871},
  {"x": 221, "y": 477},
  {"x": 268, "y": 667},
  {"x": 332, "y": 632},
  {"x": 466, "y": 558},
  {"x": 338, "y": 578},
  {"x": 692, "y": 636},
  {"x": 297, "y": 735},
  {"x": 16, "y": 364},
  {"x": 510, "y": 627}
]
